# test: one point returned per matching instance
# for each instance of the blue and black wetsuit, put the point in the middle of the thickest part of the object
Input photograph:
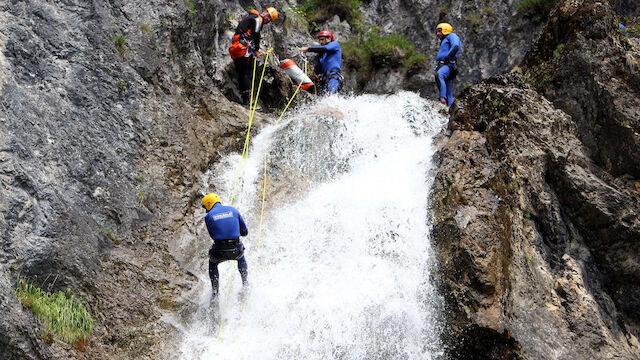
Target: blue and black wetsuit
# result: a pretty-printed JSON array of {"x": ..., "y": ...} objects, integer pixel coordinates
[
  {"x": 447, "y": 67},
  {"x": 225, "y": 226},
  {"x": 329, "y": 65}
]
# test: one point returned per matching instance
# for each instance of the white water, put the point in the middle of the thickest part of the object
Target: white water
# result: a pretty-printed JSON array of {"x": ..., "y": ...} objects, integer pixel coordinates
[{"x": 343, "y": 267}]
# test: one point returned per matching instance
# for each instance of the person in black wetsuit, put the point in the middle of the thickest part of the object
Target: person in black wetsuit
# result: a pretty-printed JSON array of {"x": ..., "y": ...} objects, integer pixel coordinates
[{"x": 246, "y": 44}]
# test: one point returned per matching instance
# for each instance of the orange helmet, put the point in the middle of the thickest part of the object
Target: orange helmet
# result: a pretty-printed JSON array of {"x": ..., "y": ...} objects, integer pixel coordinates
[{"x": 273, "y": 13}]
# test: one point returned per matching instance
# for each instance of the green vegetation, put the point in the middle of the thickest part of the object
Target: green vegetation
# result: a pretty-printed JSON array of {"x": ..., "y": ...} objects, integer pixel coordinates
[
  {"x": 318, "y": 11},
  {"x": 536, "y": 10},
  {"x": 513, "y": 186},
  {"x": 64, "y": 315},
  {"x": 139, "y": 178},
  {"x": 122, "y": 85},
  {"x": 146, "y": 28},
  {"x": 110, "y": 235},
  {"x": 295, "y": 18},
  {"x": 189, "y": 85},
  {"x": 120, "y": 42},
  {"x": 373, "y": 51},
  {"x": 488, "y": 11},
  {"x": 191, "y": 7},
  {"x": 632, "y": 26},
  {"x": 141, "y": 196},
  {"x": 474, "y": 20},
  {"x": 442, "y": 12},
  {"x": 558, "y": 51}
]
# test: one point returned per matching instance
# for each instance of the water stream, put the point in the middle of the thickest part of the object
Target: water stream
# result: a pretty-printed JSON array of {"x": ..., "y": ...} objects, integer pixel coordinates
[{"x": 343, "y": 265}]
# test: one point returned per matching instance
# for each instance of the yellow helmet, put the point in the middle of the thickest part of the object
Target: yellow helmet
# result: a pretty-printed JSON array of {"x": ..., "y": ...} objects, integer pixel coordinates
[
  {"x": 446, "y": 28},
  {"x": 209, "y": 200},
  {"x": 273, "y": 13}
]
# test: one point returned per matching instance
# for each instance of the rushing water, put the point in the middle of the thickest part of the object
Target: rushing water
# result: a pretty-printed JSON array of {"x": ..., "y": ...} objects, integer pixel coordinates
[{"x": 343, "y": 265}]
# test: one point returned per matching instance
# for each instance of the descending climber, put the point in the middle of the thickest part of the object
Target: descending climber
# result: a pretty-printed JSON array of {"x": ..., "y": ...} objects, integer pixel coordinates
[
  {"x": 329, "y": 65},
  {"x": 446, "y": 70},
  {"x": 225, "y": 226},
  {"x": 246, "y": 44}
]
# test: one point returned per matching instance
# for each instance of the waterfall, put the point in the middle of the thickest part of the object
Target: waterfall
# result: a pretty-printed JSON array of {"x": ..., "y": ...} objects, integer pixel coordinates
[{"x": 343, "y": 267}]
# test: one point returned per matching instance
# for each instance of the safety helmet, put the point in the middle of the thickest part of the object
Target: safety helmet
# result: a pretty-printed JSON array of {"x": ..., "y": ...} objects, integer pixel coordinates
[
  {"x": 446, "y": 28},
  {"x": 273, "y": 12},
  {"x": 209, "y": 200},
  {"x": 326, "y": 33}
]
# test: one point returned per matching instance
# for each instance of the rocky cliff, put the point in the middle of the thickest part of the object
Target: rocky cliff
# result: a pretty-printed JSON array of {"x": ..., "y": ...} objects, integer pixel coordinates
[
  {"x": 111, "y": 111},
  {"x": 537, "y": 200}
]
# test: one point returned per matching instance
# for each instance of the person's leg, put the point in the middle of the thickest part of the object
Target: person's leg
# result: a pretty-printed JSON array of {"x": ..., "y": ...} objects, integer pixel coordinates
[
  {"x": 333, "y": 86},
  {"x": 244, "y": 269},
  {"x": 213, "y": 272},
  {"x": 449, "y": 92},
  {"x": 443, "y": 74},
  {"x": 243, "y": 68}
]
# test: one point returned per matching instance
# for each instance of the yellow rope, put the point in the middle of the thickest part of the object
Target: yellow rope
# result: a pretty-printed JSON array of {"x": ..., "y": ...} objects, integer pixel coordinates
[
  {"x": 264, "y": 190},
  {"x": 245, "y": 148},
  {"x": 243, "y": 158}
]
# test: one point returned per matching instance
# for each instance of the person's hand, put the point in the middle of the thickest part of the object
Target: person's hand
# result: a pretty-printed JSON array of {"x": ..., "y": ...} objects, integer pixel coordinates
[
  {"x": 304, "y": 49},
  {"x": 259, "y": 53}
]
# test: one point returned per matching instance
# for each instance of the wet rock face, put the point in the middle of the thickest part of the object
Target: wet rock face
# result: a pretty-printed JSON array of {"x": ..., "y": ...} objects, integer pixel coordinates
[{"x": 524, "y": 229}]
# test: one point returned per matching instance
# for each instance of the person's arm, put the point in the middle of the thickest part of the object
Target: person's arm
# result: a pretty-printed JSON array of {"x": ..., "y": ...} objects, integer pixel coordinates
[
  {"x": 256, "y": 36},
  {"x": 455, "y": 47},
  {"x": 243, "y": 227},
  {"x": 445, "y": 47},
  {"x": 330, "y": 47}
]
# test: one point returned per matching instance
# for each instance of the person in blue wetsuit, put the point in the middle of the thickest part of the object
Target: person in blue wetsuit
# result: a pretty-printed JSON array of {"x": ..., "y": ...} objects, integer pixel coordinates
[
  {"x": 329, "y": 66},
  {"x": 225, "y": 226},
  {"x": 447, "y": 69}
]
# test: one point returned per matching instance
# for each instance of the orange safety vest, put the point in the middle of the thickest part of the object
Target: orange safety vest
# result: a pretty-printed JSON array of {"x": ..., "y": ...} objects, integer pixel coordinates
[{"x": 240, "y": 42}]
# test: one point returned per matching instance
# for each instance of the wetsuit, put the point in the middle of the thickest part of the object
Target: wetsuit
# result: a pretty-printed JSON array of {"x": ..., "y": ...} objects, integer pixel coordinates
[
  {"x": 329, "y": 66},
  {"x": 245, "y": 42},
  {"x": 225, "y": 226},
  {"x": 447, "y": 67}
]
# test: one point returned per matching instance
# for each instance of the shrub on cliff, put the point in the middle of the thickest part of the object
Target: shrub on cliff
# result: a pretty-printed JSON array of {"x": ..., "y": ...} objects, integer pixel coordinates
[
  {"x": 372, "y": 51},
  {"x": 319, "y": 11},
  {"x": 64, "y": 315},
  {"x": 536, "y": 10}
]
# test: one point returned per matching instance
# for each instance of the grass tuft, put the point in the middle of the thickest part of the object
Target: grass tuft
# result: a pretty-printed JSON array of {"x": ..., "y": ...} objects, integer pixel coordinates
[
  {"x": 120, "y": 42},
  {"x": 62, "y": 313}
]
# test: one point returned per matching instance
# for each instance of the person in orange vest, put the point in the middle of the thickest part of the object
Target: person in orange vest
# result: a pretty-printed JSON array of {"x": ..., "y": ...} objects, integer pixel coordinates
[{"x": 246, "y": 44}]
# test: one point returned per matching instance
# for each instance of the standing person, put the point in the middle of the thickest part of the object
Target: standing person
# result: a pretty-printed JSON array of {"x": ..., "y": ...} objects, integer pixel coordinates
[
  {"x": 246, "y": 44},
  {"x": 225, "y": 226},
  {"x": 329, "y": 63},
  {"x": 446, "y": 69}
]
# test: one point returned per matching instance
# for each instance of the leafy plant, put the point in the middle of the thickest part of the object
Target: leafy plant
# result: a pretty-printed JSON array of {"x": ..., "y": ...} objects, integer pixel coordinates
[
  {"x": 536, "y": 10},
  {"x": 63, "y": 314},
  {"x": 120, "y": 42}
]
